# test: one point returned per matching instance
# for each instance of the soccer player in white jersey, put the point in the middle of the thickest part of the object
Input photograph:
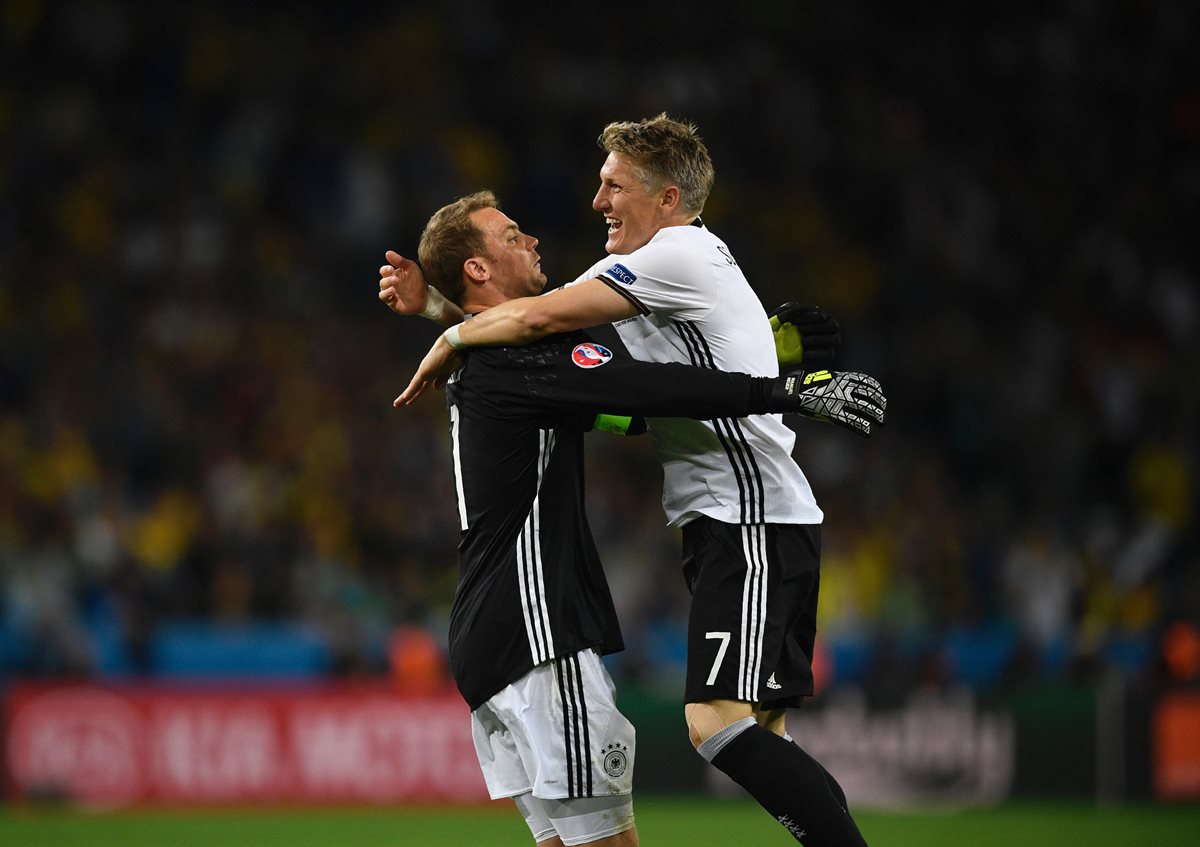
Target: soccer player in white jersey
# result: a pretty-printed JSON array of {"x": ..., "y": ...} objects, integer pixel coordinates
[{"x": 750, "y": 523}]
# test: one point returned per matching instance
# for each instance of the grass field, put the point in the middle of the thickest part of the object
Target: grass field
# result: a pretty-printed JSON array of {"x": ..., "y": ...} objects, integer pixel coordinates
[{"x": 662, "y": 822}]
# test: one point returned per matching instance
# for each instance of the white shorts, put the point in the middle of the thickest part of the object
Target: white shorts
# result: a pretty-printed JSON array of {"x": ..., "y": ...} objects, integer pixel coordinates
[
  {"x": 579, "y": 821},
  {"x": 556, "y": 733}
]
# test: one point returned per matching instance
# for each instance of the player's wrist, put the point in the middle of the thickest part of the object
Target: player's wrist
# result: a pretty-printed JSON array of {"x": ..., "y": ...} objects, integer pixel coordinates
[
  {"x": 453, "y": 337},
  {"x": 788, "y": 392},
  {"x": 435, "y": 304},
  {"x": 763, "y": 399}
]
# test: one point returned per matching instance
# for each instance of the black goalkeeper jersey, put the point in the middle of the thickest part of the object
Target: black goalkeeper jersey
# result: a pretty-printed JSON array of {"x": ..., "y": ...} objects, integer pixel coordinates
[{"x": 530, "y": 586}]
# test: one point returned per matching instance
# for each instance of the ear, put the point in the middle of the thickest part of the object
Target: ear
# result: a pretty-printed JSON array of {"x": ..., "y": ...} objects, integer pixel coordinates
[
  {"x": 670, "y": 200},
  {"x": 476, "y": 270}
]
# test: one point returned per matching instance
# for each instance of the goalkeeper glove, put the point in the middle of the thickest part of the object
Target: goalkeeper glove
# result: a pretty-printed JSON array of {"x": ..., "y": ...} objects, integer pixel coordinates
[
  {"x": 845, "y": 398},
  {"x": 804, "y": 335},
  {"x": 620, "y": 424}
]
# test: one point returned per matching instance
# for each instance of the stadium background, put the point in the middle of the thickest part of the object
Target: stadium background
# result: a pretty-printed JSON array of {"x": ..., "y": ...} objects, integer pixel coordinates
[{"x": 202, "y": 478}]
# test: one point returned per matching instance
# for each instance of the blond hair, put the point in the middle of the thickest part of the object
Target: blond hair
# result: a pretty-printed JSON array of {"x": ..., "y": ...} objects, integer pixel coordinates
[{"x": 664, "y": 152}]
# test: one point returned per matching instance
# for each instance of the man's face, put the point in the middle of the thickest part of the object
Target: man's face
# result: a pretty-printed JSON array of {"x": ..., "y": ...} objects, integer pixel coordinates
[
  {"x": 632, "y": 213},
  {"x": 514, "y": 263}
]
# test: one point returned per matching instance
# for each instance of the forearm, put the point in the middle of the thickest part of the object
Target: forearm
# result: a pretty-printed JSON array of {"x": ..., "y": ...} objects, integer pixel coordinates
[
  {"x": 514, "y": 323},
  {"x": 681, "y": 391},
  {"x": 851, "y": 400},
  {"x": 527, "y": 319},
  {"x": 618, "y": 386},
  {"x": 627, "y": 387}
]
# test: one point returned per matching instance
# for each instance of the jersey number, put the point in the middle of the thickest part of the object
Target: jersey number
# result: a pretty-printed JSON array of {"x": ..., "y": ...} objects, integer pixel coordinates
[{"x": 724, "y": 637}]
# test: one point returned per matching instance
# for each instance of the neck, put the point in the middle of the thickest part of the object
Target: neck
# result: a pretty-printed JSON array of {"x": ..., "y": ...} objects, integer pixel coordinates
[
  {"x": 680, "y": 220},
  {"x": 480, "y": 299}
]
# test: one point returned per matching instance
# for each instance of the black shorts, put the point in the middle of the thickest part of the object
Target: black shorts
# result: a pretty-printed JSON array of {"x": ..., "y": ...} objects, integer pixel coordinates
[{"x": 754, "y": 611}]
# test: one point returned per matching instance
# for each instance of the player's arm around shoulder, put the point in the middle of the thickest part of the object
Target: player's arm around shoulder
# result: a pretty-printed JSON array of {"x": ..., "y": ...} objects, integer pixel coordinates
[
  {"x": 528, "y": 319},
  {"x": 517, "y": 322}
]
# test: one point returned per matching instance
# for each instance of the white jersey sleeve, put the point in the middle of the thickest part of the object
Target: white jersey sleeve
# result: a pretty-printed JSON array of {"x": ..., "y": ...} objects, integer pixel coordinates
[{"x": 664, "y": 277}]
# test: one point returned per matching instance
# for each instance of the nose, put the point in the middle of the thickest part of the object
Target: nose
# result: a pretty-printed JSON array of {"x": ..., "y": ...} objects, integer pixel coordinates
[{"x": 600, "y": 201}]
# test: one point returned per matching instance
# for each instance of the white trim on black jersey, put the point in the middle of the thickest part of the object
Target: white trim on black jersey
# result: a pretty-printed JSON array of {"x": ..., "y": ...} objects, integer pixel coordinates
[
  {"x": 531, "y": 576},
  {"x": 455, "y": 419}
]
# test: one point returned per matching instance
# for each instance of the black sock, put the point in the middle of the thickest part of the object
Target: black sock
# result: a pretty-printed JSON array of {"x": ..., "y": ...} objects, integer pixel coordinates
[
  {"x": 790, "y": 784},
  {"x": 833, "y": 783},
  {"x": 838, "y": 793}
]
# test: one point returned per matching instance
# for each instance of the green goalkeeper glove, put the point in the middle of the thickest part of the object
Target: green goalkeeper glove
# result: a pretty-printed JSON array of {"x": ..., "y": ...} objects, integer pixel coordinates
[
  {"x": 804, "y": 335},
  {"x": 620, "y": 424},
  {"x": 848, "y": 399}
]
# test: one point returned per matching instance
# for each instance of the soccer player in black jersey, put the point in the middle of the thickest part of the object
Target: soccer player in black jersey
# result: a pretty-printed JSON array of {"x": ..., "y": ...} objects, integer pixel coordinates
[{"x": 532, "y": 614}]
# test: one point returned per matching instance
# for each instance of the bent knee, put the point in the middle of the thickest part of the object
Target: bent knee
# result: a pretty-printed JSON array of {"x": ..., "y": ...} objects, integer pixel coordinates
[
  {"x": 705, "y": 720},
  {"x": 774, "y": 720}
]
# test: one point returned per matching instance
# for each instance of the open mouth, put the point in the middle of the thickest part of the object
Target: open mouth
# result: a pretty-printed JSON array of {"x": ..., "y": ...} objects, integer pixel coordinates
[{"x": 613, "y": 225}]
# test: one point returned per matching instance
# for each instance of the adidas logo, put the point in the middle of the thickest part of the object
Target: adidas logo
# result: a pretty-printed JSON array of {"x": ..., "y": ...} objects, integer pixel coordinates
[{"x": 771, "y": 683}]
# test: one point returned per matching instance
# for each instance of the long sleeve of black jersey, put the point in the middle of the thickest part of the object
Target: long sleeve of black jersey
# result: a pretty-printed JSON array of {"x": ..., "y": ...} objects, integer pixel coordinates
[{"x": 570, "y": 372}]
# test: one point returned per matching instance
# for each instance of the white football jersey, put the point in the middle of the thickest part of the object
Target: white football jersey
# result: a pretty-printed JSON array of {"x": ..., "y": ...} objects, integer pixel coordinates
[{"x": 696, "y": 307}]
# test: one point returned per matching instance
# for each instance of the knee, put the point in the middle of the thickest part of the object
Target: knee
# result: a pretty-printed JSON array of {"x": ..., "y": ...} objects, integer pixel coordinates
[
  {"x": 774, "y": 720},
  {"x": 702, "y": 722},
  {"x": 705, "y": 720}
]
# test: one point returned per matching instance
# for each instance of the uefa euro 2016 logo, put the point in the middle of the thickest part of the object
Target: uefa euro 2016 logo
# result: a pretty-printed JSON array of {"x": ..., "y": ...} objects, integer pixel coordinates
[{"x": 590, "y": 355}]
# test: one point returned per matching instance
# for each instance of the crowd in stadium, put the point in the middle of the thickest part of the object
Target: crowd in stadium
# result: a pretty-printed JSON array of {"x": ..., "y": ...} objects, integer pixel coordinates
[{"x": 196, "y": 376}]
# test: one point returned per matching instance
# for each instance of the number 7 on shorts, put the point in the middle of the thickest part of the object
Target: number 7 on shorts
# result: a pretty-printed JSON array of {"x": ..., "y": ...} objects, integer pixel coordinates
[{"x": 724, "y": 637}]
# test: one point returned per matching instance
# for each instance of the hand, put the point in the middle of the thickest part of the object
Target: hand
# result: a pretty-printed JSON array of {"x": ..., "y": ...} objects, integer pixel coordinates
[
  {"x": 848, "y": 399},
  {"x": 402, "y": 285},
  {"x": 804, "y": 335},
  {"x": 441, "y": 361}
]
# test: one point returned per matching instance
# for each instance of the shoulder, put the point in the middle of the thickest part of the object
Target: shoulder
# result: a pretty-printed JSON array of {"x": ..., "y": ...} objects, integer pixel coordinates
[
  {"x": 676, "y": 238},
  {"x": 545, "y": 352},
  {"x": 676, "y": 248}
]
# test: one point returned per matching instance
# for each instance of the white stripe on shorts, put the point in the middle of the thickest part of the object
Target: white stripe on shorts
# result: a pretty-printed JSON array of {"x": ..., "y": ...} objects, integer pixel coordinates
[
  {"x": 754, "y": 611},
  {"x": 557, "y": 732},
  {"x": 576, "y": 736}
]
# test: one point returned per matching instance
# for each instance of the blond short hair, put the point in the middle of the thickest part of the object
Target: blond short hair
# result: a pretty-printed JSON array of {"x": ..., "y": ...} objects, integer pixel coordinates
[{"x": 664, "y": 152}]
